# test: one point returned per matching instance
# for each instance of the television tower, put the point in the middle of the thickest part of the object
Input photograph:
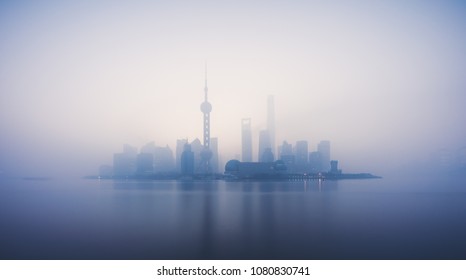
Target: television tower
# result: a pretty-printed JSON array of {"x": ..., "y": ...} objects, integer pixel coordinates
[{"x": 206, "y": 108}]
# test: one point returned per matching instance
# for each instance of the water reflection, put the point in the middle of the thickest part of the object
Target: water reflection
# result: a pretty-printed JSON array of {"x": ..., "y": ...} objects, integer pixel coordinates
[{"x": 91, "y": 219}]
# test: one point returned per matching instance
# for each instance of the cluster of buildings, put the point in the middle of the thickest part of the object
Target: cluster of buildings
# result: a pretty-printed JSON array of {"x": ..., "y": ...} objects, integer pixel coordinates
[
  {"x": 198, "y": 158},
  {"x": 191, "y": 158},
  {"x": 273, "y": 160},
  {"x": 152, "y": 159}
]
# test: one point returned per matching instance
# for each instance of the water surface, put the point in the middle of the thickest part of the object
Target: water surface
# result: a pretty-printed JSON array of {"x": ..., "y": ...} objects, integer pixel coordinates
[{"x": 390, "y": 218}]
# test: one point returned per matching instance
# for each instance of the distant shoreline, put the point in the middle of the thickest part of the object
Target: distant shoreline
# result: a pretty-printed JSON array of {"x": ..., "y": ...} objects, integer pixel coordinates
[{"x": 257, "y": 177}]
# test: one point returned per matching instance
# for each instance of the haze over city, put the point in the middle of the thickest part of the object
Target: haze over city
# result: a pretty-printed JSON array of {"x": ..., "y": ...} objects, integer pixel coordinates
[{"x": 384, "y": 82}]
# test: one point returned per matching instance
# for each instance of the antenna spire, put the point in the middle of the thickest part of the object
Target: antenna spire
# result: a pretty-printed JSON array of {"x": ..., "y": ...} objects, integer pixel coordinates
[{"x": 205, "y": 88}]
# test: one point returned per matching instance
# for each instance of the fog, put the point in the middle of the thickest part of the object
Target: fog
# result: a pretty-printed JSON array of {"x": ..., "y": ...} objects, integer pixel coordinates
[{"x": 383, "y": 81}]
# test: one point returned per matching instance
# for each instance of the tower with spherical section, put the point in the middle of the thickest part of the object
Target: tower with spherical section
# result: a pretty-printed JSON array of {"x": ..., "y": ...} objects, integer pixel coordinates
[{"x": 206, "y": 153}]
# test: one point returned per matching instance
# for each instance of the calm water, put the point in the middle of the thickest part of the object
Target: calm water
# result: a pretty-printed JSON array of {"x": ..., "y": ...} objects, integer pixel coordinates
[{"x": 388, "y": 218}]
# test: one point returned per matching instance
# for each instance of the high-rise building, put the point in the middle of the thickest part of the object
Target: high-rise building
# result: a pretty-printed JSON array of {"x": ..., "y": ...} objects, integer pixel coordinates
[
  {"x": 145, "y": 164},
  {"x": 179, "y": 150},
  {"x": 164, "y": 160},
  {"x": 324, "y": 149},
  {"x": 187, "y": 160},
  {"x": 196, "y": 148},
  {"x": 246, "y": 140},
  {"x": 259, "y": 170},
  {"x": 162, "y": 157},
  {"x": 302, "y": 154},
  {"x": 286, "y": 155},
  {"x": 334, "y": 167},
  {"x": 214, "y": 159},
  {"x": 286, "y": 149},
  {"x": 130, "y": 151},
  {"x": 271, "y": 122},
  {"x": 315, "y": 162},
  {"x": 124, "y": 164},
  {"x": 264, "y": 143},
  {"x": 149, "y": 148},
  {"x": 267, "y": 156}
]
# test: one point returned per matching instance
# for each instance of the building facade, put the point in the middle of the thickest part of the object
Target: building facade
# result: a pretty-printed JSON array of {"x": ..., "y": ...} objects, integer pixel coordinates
[{"x": 246, "y": 140}]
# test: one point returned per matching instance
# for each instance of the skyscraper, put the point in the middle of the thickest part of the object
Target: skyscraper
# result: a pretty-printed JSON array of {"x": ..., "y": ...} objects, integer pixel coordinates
[
  {"x": 267, "y": 156},
  {"x": 163, "y": 159},
  {"x": 179, "y": 150},
  {"x": 315, "y": 162},
  {"x": 206, "y": 153},
  {"x": 264, "y": 143},
  {"x": 271, "y": 122},
  {"x": 145, "y": 164},
  {"x": 214, "y": 159},
  {"x": 286, "y": 149},
  {"x": 246, "y": 140},
  {"x": 124, "y": 164},
  {"x": 187, "y": 160},
  {"x": 334, "y": 167},
  {"x": 302, "y": 156},
  {"x": 197, "y": 148},
  {"x": 324, "y": 150},
  {"x": 287, "y": 156}
]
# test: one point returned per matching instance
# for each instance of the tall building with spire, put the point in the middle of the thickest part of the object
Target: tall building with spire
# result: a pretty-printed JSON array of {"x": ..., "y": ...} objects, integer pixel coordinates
[{"x": 206, "y": 153}]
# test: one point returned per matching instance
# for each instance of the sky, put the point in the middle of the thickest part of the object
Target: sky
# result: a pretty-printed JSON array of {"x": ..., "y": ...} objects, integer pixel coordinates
[{"x": 384, "y": 81}]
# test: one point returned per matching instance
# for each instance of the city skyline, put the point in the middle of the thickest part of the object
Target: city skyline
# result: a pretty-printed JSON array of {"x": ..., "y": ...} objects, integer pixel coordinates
[
  {"x": 240, "y": 131},
  {"x": 152, "y": 160},
  {"x": 79, "y": 80}
]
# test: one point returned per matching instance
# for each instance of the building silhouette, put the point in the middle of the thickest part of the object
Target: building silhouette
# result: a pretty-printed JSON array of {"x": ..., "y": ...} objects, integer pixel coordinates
[
  {"x": 287, "y": 156},
  {"x": 334, "y": 167},
  {"x": 315, "y": 162},
  {"x": 246, "y": 140},
  {"x": 145, "y": 164},
  {"x": 187, "y": 160},
  {"x": 124, "y": 164},
  {"x": 179, "y": 150},
  {"x": 302, "y": 156},
  {"x": 197, "y": 147},
  {"x": 163, "y": 160},
  {"x": 286, "y": 149},
  {"x": 255, "y": 170},
  {"x": 324, "y": 149},
  {"x": 214, "y": 159},
  {"x": 267, "y": 156},
  {"x": 264, "y": 143},
  {"x": 149, "y": 148}
]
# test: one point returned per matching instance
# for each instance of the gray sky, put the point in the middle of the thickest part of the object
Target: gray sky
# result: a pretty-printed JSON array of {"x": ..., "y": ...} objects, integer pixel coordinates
[{"x": 384, "y": 81}]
